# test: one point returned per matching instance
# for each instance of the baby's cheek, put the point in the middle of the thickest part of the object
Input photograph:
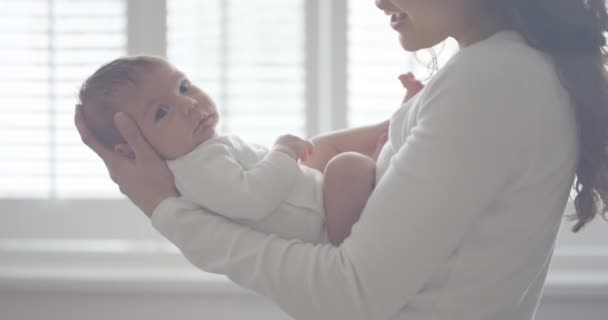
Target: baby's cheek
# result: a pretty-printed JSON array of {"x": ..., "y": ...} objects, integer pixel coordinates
[
  {"x": 178, "y": 145},
  {"x": 160, "y": 142}
]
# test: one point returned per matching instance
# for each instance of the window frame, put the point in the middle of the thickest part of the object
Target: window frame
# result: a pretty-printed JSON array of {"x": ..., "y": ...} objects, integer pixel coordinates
[{"x": 146, "y": 19}]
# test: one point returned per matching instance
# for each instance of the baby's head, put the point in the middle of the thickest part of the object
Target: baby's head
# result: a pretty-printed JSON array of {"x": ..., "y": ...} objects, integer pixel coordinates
[{"x": 174, "y": 115}]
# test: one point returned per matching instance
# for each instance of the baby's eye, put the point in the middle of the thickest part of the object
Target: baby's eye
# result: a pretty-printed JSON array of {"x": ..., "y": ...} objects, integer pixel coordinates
[
  {"x": 161, "y": 112},
  {"x": 184, "y": 86}
]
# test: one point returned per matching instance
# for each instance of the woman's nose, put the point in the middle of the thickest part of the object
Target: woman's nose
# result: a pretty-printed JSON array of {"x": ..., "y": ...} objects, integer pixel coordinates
[{"x": 386, "y": 6}]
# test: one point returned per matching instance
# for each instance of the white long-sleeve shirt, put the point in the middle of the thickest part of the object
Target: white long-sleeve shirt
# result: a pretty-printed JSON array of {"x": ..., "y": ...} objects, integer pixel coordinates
[
  {"x": 252, "y": 185},
  {"x": 462, "y": 223}
]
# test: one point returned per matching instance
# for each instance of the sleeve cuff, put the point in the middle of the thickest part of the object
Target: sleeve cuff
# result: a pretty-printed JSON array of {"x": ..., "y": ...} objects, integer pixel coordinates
[
  {"x": 166, "y": 210},
  {"x": 284, "y": 161}
]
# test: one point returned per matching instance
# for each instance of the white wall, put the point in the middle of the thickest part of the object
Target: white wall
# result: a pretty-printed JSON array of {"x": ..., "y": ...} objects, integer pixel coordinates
[
  {"x": 185, "y": 306},
  {"x": 81, "y": 285},
  {"x": 140, "y": 277},
  {"x": 134, "y": 307},
  {"x": 574, "y": 308}
]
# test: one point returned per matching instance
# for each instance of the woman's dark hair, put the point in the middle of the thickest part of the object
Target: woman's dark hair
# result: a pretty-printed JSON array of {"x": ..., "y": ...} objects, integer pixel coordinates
[{"x": 572, "y": 34}]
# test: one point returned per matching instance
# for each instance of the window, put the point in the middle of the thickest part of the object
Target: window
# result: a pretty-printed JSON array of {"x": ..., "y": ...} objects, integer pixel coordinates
[
  {"x": 253, "y": 70},
  {"x": 256, "y": 73},
  {"x": 51, "y": 47},
  {"x": 375, "y": 60}
]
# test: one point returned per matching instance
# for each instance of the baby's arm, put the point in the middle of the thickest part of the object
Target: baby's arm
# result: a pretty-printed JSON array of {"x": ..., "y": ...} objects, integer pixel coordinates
[
  {"x": 295, "y": 147},
  {"x": 216, "y": 180},
  {"x": 362, "y": 140}
]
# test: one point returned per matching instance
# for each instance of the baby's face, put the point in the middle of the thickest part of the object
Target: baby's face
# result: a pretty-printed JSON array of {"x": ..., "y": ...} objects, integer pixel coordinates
[{"x": 174, "y": 115}]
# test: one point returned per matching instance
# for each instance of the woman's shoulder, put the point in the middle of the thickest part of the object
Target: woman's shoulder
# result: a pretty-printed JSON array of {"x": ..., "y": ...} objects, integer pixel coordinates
[
  {"x": 502, "y": 68},
  {"x": 506, "y": 47},
  {"x": 502, "y": 88}
]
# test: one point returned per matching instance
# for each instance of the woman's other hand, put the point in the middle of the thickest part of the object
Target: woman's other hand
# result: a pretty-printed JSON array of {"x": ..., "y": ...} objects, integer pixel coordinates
[
  {"x": 144, "y": 177},
  {"x": 411, "y": 85}
]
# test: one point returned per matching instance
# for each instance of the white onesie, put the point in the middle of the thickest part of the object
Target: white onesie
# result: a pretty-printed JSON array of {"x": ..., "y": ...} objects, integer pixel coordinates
[{"x": 264, "y": 189}]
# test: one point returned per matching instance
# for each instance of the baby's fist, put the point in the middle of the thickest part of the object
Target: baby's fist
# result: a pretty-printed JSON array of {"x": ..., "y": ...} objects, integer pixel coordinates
[{"x": 296, "y": 147}]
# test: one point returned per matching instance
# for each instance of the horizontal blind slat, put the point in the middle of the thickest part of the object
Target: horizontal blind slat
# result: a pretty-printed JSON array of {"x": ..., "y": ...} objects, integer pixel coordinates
[
  {"x": 375, "y": 61},
  {"x": 43, "y": 60},
  {"x": 252, "y": 65}
]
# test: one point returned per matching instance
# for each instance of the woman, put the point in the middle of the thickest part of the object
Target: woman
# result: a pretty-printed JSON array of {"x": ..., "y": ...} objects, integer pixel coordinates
[{"x": 471, "y": 186}]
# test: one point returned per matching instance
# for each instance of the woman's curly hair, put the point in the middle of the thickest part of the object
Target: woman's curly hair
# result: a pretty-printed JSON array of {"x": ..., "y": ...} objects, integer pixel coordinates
[{"x": 572, "y": 34}]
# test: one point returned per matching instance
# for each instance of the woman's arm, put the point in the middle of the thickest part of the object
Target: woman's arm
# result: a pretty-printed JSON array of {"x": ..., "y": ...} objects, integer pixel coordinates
[
  {"x": 412, "y": 223},
  {"x": 451, "y": 167},
  {"x": 380, "y": 267}
]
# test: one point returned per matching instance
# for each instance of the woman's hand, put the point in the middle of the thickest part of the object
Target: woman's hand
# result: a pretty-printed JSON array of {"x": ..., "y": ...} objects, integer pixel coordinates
[
  {"x": 145, "y": 180},
  {"x": 411, "y": 84}
]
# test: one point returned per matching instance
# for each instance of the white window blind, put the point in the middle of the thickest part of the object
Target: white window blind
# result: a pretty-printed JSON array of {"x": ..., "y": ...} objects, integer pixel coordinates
[
  {"x": 375, "y": 60},
  {"x": 47, "y": 48},
  {"x": 249, "y": 56}
]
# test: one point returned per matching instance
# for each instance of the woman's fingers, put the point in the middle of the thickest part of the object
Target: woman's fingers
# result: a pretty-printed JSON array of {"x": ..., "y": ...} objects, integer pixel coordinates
[
  {"x": 106, "y": 154},
  {"x": 411, "y": 84},
  {"x": 147, "y": 180},
  {"x": 409, "y": 81},
  {"x": 130, "y": 132}
]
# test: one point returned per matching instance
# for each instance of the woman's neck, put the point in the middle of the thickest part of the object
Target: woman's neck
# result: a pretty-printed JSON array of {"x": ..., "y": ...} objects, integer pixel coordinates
[{"x": 477, "y": 27}]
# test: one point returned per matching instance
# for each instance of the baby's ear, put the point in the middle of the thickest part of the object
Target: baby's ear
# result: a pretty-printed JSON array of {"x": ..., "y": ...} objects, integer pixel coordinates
[{"x": 124, "y": 150}]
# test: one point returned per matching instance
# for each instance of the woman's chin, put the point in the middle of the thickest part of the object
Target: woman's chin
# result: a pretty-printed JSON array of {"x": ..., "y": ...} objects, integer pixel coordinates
[{"x": 408, "y": 44}]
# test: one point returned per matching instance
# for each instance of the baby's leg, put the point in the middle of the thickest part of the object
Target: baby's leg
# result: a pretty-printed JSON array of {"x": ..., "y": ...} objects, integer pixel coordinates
[{"x": 348, "y": 182}]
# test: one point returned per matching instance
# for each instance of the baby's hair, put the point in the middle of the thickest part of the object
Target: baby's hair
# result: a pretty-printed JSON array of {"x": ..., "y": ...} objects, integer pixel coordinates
[{"x": 98, "y": 95}]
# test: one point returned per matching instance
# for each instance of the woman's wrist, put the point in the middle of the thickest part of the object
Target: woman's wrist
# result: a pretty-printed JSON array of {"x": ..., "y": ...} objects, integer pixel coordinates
[{"x": 153, "y": 203}]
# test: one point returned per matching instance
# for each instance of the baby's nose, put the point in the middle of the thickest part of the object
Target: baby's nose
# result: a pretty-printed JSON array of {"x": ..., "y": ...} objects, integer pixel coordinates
[{"x": 189, "y": 106}]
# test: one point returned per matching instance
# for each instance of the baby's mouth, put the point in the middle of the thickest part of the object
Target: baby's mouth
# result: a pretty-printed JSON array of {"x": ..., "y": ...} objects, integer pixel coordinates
[{"x": 205, "y": 122}]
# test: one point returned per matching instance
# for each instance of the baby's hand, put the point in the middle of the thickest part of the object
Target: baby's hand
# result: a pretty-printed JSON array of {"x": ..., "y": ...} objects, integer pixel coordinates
[
  {"x": 410, "y": 84},
  {"x": 297, "y": 148}
]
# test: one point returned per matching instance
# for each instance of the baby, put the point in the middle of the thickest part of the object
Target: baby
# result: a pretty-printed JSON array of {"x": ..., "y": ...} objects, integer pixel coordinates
[{"x": 267, "y": 189}]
